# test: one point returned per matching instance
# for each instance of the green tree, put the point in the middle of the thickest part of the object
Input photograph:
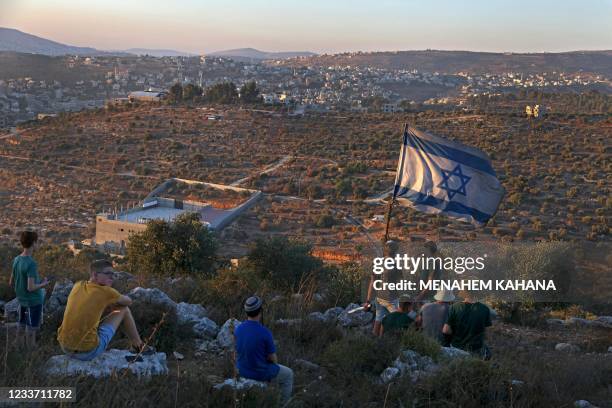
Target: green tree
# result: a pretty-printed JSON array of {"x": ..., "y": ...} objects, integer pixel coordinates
[
  {"x": 175, "y": 93},
  {"x": 249, "y": 92},
  {"x": 285, "y": 263},
  {"x": 184, "y": 246},
  {"x": 191, "y": 92},
  {"x": 224, "y": 92}
]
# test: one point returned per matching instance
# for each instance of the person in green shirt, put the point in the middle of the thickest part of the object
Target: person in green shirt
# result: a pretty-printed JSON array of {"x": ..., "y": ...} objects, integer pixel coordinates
[
  {"x": 401, "y": 319},
  {"x": 466, "y": 323},
  {"x": 29, "y": 290}
]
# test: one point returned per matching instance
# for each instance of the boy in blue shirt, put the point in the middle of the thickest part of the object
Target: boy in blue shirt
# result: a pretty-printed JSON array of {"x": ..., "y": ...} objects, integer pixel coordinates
[
  {"x": 29, "y": 290},
  {"x": 257, "y": 358}
]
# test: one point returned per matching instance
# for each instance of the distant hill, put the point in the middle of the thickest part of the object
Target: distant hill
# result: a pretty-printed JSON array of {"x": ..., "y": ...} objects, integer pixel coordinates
[
  {"x": 159, "y": 53},
  {"x": 251, "y": 54},
  {"x": 17, "y": 41},
  {"x": 452, "y": 62}
]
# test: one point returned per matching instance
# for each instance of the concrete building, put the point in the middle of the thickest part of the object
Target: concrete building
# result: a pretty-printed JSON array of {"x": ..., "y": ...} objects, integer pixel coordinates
[
  {"x": 146, "y": 96},
  {"x": 113, "y": 229}
]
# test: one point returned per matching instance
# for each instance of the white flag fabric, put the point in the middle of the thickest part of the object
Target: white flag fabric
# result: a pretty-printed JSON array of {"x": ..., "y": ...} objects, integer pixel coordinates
[{"x": 435, "y": 175}]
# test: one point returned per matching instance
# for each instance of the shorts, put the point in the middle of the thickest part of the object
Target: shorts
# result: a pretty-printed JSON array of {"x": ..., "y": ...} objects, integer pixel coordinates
[
  {"x": 31, "y": 317},
  {"x": 384, "y": 307},
  {"x": 105, "y": 334}
]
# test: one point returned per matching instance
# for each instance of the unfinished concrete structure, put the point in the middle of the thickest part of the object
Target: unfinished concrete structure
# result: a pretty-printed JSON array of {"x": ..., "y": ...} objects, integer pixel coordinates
[{"x": 113, "y": 229}]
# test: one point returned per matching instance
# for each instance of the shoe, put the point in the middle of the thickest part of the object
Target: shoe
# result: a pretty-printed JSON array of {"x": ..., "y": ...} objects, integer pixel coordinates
[{"x": 144, "y": 350}]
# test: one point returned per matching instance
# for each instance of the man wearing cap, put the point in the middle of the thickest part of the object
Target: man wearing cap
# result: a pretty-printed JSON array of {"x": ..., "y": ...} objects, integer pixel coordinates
[
  {"x": 401, "y": 319},
  {"x": 433, "y": 316},
  {"x": 257, "y": 358},
  {"x": 386, "y": 300},
  {"x": 83, "y": 335}
]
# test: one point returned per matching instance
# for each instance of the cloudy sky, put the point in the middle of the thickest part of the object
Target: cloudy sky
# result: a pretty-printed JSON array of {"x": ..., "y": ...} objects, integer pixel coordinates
[{"x": 202, "y": 26}]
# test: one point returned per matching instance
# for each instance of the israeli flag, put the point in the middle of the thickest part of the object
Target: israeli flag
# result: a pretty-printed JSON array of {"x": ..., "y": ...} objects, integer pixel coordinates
[{"x": 435, "y": 175}]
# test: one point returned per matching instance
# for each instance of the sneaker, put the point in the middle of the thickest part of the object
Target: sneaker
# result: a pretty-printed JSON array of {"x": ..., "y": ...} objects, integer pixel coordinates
[{"x": 144, "y": 350}]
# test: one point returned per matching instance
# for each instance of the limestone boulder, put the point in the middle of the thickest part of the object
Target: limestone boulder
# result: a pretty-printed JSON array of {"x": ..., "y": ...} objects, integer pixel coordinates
[
  {"x": 360, "y": 318},
  {"x": 11, "y": 311},
  {"x": 111, "y": 361},
  {"x": 241, "y": 384},
  {"x": 152, "y": 295},
  {"x": 190, "y": 313},
  {"x": 59, "y": 296},
  {"x": 567, "y": 348},
  {"x": 205, "y": 328},
  {"x": 225, "y": 337}
]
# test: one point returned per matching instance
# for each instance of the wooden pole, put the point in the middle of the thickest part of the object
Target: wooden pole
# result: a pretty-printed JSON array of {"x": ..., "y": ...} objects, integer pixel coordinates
[{"x": 393, "y": 196}]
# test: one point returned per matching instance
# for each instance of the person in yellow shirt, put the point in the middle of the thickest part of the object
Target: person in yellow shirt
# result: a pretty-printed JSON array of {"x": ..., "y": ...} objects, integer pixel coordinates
[{"x": 83, "y": 335}]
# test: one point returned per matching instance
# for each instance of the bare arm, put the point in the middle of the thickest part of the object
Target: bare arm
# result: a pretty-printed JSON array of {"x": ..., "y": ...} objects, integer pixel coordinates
[
  {"x": 32, "y": 285},
  {"x": 369, "y": 296},
  {"x": 11, "y": 280},
  {"x": 273, "y": 358},
  {"x": 447, "y": 329},
  {"x": 124, "y": 301}
]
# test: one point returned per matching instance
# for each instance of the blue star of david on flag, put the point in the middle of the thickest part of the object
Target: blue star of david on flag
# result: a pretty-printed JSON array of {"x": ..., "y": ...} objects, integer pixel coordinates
[
  {"x": 449, "y": 179},
  {"x": 440, "y": 176}
]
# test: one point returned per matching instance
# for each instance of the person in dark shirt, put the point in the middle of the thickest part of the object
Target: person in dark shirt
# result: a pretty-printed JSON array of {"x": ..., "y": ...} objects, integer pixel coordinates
[
  {"x": 400, "y": 320},
  {"x": 256, "y": 351},
  {"x": 466, "y": 323}
]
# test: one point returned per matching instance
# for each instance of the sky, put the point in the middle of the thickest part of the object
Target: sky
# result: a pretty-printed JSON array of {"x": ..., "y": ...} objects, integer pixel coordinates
[{"x": 322, "y": 26}]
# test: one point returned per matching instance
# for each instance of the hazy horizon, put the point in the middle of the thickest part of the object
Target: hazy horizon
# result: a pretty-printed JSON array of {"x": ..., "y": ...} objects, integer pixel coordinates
[{"x": 323, "y": 27}]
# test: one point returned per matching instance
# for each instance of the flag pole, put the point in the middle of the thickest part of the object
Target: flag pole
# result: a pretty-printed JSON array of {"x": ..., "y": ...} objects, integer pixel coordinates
[{"x": 394, "y": 192}]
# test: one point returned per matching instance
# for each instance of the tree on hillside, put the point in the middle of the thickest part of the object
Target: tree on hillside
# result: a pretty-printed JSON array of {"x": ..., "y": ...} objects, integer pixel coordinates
[
  {"x": 191, "y": 92},
  {"x": 249, "y": 92},
  {"x": 175, "y": 93},
  {"x": 224, "y": 92},
  {"x": 184, "y": 246},
  {"x": 285, "y": 263}
]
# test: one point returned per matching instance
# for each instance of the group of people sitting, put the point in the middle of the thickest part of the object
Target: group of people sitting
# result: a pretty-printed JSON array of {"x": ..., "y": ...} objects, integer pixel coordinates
[
  {"x": 458, "y": 324},
  {"x": 85, "y": 333}
]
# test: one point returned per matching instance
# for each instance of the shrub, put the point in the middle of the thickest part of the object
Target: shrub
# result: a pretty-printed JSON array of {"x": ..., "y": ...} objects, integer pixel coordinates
[
  {"x": 356, "y": 353},
  {"x": 421, "y": 343},
  {"x": 156, "y": 322},
  {"x": 344, "y": 284},
  {"x": 284, "y": 263},
  {"x": 184, "y": 246}
]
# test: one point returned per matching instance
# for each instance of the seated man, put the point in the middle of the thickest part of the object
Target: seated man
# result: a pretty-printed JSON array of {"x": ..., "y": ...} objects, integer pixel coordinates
[
  {"x": 256, "y": 351},
  {"x": 432, "y": 316},
  {"x": 467, "y": 321},
  {"x": 82, "y": 334},
  {"x": 400, "y": 320}
]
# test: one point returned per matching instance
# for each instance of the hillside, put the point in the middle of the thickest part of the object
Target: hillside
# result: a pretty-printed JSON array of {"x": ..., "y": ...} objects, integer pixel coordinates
[
  {"x": 249, "y": 54},
  {"x": 452, "y": 62},
  {"x": 18, "y": 41}
]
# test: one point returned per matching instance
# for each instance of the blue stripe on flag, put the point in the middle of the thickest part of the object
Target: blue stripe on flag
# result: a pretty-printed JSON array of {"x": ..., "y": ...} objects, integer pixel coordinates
[
  {"x": 419, "y": 198},
  {"x": 449, "y": 153}
]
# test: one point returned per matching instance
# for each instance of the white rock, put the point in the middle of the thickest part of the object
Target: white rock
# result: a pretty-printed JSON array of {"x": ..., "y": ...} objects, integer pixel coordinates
[
  {"x": 190, "y": 313},
  {"x": 178, "y": 355},
  {"x": 610, "y": 349},
  {"x": 605, "y": 321},
  {"x": 11, "y": 311},
  {"x": 205, "y": 328},
  {"x": 207, "y": 346},
  {"x": 111, "y": 361},
  {"x": 225, "y": 337},
  {"x": 558, "y": 322},
  {"x": 453, "y": 353},
  {"x": 389, "y": 374},
  {"x": 578, "y": 321},
  {"x": 360, "y": 318},
  {"x": 59, "y": 296},
  {"x": 288, "y": 322},
  {"x": 583, "y": 404},
  {"x": 332, "y": 314},
  {"x": 517, "y": 382},
  {"x": 566, "y": 347},
  {"x": 317, "y": 316},
  {"x": 241, "y": 384},
  {"x": 151, "y": 295}
]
